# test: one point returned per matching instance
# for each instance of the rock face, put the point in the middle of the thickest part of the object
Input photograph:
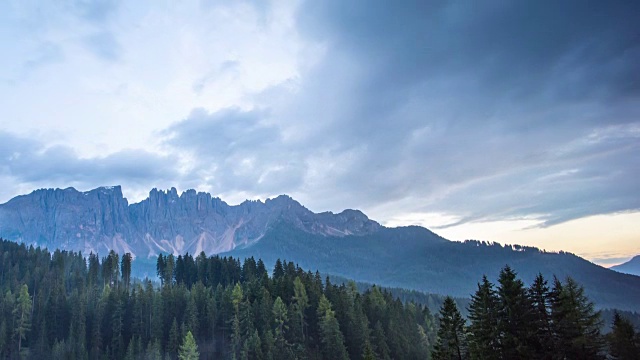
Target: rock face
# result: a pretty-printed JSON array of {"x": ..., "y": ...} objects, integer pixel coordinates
[{"x": 101, "y": 219}]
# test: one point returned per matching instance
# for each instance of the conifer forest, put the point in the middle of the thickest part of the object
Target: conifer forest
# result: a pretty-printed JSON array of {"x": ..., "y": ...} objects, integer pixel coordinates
[{"x": 62, "y": 305}]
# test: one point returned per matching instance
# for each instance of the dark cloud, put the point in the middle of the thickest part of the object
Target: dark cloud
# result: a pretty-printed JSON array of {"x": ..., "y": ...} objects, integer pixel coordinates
[
  {"x": 472, "y": 109},
  {"x": 483, "y": 111}
]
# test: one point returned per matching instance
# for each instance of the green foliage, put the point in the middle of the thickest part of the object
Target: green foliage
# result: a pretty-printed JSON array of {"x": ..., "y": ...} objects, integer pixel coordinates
[
  {"x": 63, "y": 305},
  {"x": 451, "y": 343},
  {"x": 534, "y": 323},
  {"x": 189, "y": 348},
  {"x": 331, "y": 338},
  {"x": 624, "y": 342},
  {"x": 483, "y": 315},
  {"x": 22, "y": 314}
]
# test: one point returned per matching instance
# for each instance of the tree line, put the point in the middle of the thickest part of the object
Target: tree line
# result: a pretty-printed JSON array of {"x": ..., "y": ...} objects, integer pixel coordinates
[
  {"x": 512, "y": 321},
  {"x": 62, "y": 305}
]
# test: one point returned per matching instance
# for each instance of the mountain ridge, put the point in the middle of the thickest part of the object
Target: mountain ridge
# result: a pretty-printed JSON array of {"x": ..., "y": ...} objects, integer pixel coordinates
[
  {"x": 631, "y": 267},
  {"x": 346, "y": 244},
  {"x": 102, "y": 219}
]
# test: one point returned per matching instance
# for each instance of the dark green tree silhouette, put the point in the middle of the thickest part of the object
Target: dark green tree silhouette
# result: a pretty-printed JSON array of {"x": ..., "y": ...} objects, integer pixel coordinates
[{"x": 451, "y": 341}]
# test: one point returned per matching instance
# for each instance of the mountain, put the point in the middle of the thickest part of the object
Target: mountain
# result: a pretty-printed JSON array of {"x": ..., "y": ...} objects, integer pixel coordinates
[
  {"x": 102, "y": 219},
  {"x": 347, "y": 244},
  {"x": 417, "y": 259},
  {"x": 630, "y": 267}
]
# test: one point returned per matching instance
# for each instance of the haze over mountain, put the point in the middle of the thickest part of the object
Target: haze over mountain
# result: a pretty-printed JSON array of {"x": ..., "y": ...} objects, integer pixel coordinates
[
  {"x": 346, "y": 244},
  {"x": 630, "y": 267}
]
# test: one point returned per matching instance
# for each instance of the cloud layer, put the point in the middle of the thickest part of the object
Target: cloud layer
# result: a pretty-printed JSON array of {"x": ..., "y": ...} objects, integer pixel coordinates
[{"x": 479, "y": 112}]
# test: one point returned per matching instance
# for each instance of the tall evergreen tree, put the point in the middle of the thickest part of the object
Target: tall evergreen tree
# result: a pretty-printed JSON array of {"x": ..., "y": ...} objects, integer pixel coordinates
[
  {"x": 125, "y": 268},
  {"x": 451, "y": 342},
  {"x": 623, "y": 339},
  {"x": 542, "y": 341},
  {"x": 22, "y": 314},
  {"x": 300, "y": 303},
  {"x": 331, "y": 338},
  {"x": 514, "y": 316},
  {"x": 189, "y": 348},
  {"x": 576, "y": 324},
  {"x": 483, "y": 315}
]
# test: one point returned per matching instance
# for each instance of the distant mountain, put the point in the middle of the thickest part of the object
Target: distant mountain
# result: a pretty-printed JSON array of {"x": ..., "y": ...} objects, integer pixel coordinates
[
  {"x": 630, "y": 267},
  {"x": 347, "y": 244},
  {"x": 416, "y": 258},
  {"x": 101, "y": 219}
]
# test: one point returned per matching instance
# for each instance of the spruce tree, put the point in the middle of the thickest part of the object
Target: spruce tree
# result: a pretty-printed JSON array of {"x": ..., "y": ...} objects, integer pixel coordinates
[
  {"x": 22, "y": 315},
  {"x": 173, "y": 344},
  {"x": 299, "y": 304},
  {"x": 189, "y": 348},
  {"x": 542, "y": 335},
  {"x": 331, "y": 339},
  {"x": 576, "y": 324},
  {"x": 483, "y": 314},
  {"x": 622, "y": 339},
  {"x": 451, "y": 342},
  {"x": 514, "y": 316}
]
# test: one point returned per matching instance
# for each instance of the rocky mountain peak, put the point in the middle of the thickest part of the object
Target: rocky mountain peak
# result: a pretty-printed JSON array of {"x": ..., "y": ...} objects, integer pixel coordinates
[{"x": 101, "y": 219}]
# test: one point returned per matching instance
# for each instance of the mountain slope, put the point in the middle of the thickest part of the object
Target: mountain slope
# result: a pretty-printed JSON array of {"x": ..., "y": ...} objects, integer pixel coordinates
[
  {"x": 347, "y": 244},
  {"x": 630, "y": 267},
  {"x": 415, "y": 258}
]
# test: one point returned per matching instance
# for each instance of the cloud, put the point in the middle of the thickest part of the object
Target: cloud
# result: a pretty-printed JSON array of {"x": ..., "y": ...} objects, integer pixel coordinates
[
  {"x": 235, "y": 150},
  {"x": 104, "y": 45},
  {"x": 30, "y": 162},
  {"x": 475, "y": 112},
  {"x": 472, "y": 109},
  {"x": 94, "y": 10}
]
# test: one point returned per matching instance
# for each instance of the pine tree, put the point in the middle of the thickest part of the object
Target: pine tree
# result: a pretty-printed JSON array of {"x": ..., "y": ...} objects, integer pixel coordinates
[
  {"x": 514, "y": 316},
  {"x": 367, "y": 353},
  {"x": 189, "y": 348},
  {"x": 280, "y": 318},
  {"x": 300, "y": 303},
  {"x": 542, "y": 336},
  {"x": 576, "y": 324},
  {"x": 332, "y": 340},
  {"x": 125, "y": 268},
  {"x": 153, "y": 351},
  {"x": 22, "y": 314},
  {"x": 483, "y": 314},
  {"x": 622, "y": 339},
  {"x": 172, "y": 345},
  {"x": 451, "y": 343},
  {"x": 380, "y": 342},
  {"x": 236, "y": 336}
]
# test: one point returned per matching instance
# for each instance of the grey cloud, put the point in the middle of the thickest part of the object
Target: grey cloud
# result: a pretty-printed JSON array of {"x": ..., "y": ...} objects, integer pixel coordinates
[
  {"x": 237, "y": 150},
  {"x": 29, "y": 161},
  {"x": 463, "y": 108}
]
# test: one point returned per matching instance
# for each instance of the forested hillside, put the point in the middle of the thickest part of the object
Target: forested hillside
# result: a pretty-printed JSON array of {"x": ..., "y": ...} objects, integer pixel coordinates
[
  {"x": 55, "y": 305},
  {"x": 61, "y": 305},
  {"x": 416, "y": 258}
]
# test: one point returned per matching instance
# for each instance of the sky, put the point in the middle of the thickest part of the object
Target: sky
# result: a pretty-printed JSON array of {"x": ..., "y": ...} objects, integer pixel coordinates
[{"x": 515, "y": 122}]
